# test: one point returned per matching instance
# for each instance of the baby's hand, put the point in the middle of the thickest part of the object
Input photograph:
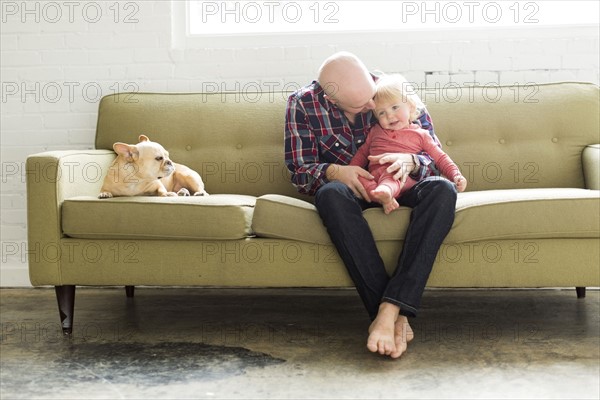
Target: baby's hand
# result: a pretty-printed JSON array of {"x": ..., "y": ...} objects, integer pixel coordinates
[{"x": 461, "y": 183}]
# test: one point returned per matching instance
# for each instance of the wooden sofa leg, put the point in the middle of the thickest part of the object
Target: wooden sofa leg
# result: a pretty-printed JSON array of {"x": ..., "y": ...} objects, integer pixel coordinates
[
  {"x": 129, "y": 291},
  {"x": 65, "y": 296},
  {"x": 580, "y": 292}
]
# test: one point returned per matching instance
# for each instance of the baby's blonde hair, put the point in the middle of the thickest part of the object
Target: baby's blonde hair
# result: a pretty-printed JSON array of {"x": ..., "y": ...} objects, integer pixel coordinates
[{"x": 394, "y": 88}]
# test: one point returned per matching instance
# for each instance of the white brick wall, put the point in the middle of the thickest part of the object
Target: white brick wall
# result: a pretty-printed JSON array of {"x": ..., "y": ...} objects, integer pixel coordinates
[{"x": 53, "y": 74}]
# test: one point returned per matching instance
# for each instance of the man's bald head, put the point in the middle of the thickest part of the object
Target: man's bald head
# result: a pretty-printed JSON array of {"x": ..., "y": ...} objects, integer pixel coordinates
[{"x": 347, "y": 82}]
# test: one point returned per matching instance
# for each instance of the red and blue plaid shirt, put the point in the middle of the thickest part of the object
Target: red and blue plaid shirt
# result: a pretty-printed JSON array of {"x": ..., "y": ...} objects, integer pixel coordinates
[{"x": 318, "y": 134}]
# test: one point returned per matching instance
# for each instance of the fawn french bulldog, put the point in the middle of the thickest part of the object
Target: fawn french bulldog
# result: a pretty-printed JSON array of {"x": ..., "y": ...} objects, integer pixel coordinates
[{"x": 145, "y": 169}]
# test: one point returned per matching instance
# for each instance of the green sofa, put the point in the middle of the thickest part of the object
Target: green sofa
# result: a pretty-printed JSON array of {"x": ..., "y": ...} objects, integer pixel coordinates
[{"x": 529, "y": 218}]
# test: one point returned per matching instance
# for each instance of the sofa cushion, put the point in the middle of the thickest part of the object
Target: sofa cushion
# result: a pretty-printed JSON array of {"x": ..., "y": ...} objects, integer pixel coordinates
[
  {"x": 193, "y": 217},
  {"x": 481, "y": 215}
]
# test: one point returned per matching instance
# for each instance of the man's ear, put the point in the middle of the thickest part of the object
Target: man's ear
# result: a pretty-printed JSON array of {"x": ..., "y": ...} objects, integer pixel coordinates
[
  {"x": 130, "y": 152},
  {"x": 143, "y": 138},
  {"x": 330, "y": 99}
]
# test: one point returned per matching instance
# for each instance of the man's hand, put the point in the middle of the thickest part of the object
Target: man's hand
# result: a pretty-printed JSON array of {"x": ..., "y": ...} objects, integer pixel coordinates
[
  {"x": 348, "y": 174},
  {"x": 401, "y": 164}
]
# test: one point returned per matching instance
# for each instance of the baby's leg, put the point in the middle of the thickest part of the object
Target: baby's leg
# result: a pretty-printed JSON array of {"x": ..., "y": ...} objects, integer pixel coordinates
[
  {"x": 386, "y": 192},
  {"x": 368, "y": 184}
]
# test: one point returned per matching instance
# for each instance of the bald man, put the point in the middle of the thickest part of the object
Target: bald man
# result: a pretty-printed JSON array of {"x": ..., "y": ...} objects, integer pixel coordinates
[{"x": 326, "y": 122}]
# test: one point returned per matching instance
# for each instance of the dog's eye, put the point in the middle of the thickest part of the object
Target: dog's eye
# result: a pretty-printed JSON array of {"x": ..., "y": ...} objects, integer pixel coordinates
[{"x": 159, "y": 158}]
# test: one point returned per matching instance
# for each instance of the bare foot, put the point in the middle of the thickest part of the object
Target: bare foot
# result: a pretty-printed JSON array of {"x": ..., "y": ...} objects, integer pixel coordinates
[
  {"x": 383, "y": 195},
  {"x": 403, "y": 334},
  {"x": 381, "y": 332}
]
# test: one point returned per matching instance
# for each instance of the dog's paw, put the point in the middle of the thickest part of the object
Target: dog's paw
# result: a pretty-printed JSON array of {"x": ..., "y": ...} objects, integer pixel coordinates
[
  {"x": 105, "y": 195},
  {"x": 171, "y": 194},
  {"x": 183, "y": 192},
  {"x": 204, "y": 193}
]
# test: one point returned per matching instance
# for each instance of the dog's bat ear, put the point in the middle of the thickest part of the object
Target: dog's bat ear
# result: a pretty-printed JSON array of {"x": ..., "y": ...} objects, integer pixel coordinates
[
  {"x": 128, "y": 151},
  {"x": 143, "y": 138}
]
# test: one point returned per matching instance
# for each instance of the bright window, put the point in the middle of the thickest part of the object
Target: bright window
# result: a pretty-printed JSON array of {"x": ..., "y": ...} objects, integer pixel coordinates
[{"x": 311, "y": 16}]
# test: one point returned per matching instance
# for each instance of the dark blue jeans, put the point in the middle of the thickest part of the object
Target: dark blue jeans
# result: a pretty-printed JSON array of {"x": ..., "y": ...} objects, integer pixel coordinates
[{"x": 433, "y": 203}]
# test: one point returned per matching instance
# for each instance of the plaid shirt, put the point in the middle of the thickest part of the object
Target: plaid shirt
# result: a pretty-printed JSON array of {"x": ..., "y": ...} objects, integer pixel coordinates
[{"x": 318, "y": 134}]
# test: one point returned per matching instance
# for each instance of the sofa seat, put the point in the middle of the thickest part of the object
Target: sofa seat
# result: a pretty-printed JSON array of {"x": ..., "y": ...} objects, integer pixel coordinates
[
  {"x": 215, "y": 217},
  {"x": 481, "y": 215}
]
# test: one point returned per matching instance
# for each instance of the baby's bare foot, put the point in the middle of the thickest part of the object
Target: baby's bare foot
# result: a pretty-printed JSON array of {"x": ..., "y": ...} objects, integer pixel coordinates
[{"x": 383, "y": 195}]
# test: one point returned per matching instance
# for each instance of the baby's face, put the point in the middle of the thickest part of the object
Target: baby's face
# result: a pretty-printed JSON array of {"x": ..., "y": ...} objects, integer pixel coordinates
[{"x": 393, "y": 114}]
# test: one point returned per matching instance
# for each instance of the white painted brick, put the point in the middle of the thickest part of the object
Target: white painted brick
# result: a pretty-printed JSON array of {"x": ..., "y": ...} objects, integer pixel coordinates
[
  {"x": 8, "y": 42},
  {"x": 564, "y": 75},
  {"x": 14, "y": 233},
  {"x": 178, "y": 86},
  {"x": 480, "y": 63},
  {"x": 530, "y": 47},
  {"x": 51, "y": 101},
  {"x": 21, "y": 122},
  {"x": 437, "y": 79},
  {"x": 41, "y": 42},
  {"x": 321, "y": 52},
  {"x": 527, "y": 61},
  {"x": 108, "y": 25},
  {"x": 150, "y": 23},
  {"x": 12, "y": 105},
  {"x": 479, "y": 48},
  {"x": 397, "y": 59},
  {"x": 20, "y": 58},
  {"x": 554, "y": 46},
  {"x": 87, "y": 73},
  {"x": 10, "y": 75},
  {"x": 82, "y": 136},
  {"x": 294, "y": 53},
  {"x": 13, "y": 24},
  {"x": 484, "y": 77},
  {"x": 12, "y": 201},
  {"x": 587, "y": 45},
  {"x": 588, "y": 75},
  {"x": 415, "y": 77},
  {"x": 161, "y": 8},
  {"x": 69, "y": 121},
  {"x": 511, "y": 77},
  {"x": 451, "y": 48},
  {"x": 151, "y": 56},
  {"x": 502, "y": 47},
  {"x": 131, "y": 40},
  {"x": 580, "y": 61},
  {"x": 537, "y": 77},
  {"x": 110, "y": 57},
  {"x": 87, "y": 40},
  {"x": 41, "y": 74},
  {"x": 65, "y": 57},
  {"x": 78, "y": 25},
  {"x": 196, "y": 72},
  {"x": 13, "y": 217},
  {"x": 434, "y": 63},
  {"x": 253, "y": 55},
  {"x": 150, "y": 71},
  {"x": 463, "y": 78}
]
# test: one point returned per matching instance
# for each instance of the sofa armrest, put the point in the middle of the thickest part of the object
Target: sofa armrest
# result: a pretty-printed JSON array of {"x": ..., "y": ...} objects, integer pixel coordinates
[
  {"x": 53, "y": 177},
  {"x": 591, "y": 166}
]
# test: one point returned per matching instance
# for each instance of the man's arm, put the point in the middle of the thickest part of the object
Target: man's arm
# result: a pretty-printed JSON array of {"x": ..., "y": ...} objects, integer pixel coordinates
[
  {"x": 301, "y": 152},
  {"x": 424, "y": 165}
]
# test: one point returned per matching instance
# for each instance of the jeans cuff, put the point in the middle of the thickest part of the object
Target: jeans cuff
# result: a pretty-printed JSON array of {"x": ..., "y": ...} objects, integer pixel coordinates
[{"x": 405, "y": 309}]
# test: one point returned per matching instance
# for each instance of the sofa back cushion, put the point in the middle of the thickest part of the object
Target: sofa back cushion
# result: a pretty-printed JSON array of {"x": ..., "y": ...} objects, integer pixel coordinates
[{"x": 501, "y": 137}]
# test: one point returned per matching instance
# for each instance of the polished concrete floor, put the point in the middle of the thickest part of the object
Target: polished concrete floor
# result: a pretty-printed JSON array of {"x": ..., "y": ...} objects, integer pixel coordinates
[{"x": 181, "y": 343}]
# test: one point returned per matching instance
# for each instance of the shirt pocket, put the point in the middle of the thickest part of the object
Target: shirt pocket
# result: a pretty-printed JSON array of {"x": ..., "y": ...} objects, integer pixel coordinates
[{"x": 333, "y": 149}]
